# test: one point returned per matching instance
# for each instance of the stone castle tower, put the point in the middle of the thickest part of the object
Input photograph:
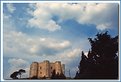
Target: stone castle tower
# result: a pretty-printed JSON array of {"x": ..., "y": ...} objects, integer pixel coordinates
[{"x": 45, "y": 69}]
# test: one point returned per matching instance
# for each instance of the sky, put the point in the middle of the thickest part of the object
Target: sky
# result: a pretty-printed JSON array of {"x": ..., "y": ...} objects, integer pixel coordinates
[{"x": 52, "y": 31}]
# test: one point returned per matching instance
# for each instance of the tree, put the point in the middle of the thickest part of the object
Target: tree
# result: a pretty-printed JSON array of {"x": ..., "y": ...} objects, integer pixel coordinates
[
  {"x": 21, "y": 71},
  {"x": 83, "y": 66},
  {"x": 104, "y": 46},
  {"x": 103, "y": 50},
  {"x": 14, "y": 75},
  {"x": 53, "y": 74},
  {"x": 102, "y": 61},
  {"x": 62, "y": 76},
  {"x": 34, "y": 77}
]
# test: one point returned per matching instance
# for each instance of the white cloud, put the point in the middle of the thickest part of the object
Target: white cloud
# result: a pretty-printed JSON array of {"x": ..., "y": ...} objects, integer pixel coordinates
[
  {"x": 69, "y": 55},
  {"x": 15, "y": 42},
  {"x": 100, "y": 15},
  {"x": 104, "y": 26},
  {"x": 73, "y": 53},
  {"x": 42, "y": 19},
  {"x": 44, "y": 24},
  {"x": 8, "y": 23},
  {"x": 17, "y": 62},
  {"x": 86, "y": 54},
  {"x": 10, "y": 7},
  {"x": 71, "y": 58}
]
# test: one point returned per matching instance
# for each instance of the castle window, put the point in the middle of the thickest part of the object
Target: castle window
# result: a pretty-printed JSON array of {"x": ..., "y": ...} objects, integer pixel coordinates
[
  {"x": 51, "y": 67},
  {"x": 40, "y": 67}
]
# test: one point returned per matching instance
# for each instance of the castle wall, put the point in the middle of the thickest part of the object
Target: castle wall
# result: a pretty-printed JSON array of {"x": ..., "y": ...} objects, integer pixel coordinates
[
  {"x": 58, "y": 67},
  {"x": 45, "y": 69},
  {"x": 40, "y": 70},
  {"x": 52, "y": 68},
  {"x": 33, "y": 69}
]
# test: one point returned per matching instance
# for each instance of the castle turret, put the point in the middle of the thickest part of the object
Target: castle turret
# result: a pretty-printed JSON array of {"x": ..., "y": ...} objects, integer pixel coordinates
[
  {"x": 33, "y": 70},
  {"x": 58, "y": 67},
  {"x": 47, "y": 68}
]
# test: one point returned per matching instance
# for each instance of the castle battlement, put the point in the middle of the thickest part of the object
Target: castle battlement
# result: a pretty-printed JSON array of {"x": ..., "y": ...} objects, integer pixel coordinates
[{"x": 45, "y": 69}]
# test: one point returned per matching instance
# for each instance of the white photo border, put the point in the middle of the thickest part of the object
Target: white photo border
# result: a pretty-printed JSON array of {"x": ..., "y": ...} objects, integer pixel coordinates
[{"x": 2, "y": 2}]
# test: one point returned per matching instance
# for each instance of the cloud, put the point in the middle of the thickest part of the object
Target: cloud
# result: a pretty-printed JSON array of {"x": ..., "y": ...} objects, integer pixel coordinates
[
  {"x": 17, "y": 62},
  {"x": 101, "y": 15},
  {"x": 44, "y": 24},
  {"x": 104, "y": 26},
  {"x": 17, "y": 42},
  {"x": 8, "y": 23},
  {"x": 10, "y": 7},
  {"x": 71, "y": 53},
  {"x": 42, "y": 19},
  {"x": 20, "y": 43}
]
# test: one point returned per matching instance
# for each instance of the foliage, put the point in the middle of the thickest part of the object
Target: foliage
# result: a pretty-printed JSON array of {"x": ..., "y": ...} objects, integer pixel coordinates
[
  {"x": 34, "y": 77},
  {"x": 15, "y": 74},
  {"x": 102, "y": 61},
  {"x": 21, "y": 71}
]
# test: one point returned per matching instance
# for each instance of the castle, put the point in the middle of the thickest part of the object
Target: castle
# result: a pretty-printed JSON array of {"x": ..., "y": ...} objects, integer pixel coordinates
[{"x": 45, "y": 69}]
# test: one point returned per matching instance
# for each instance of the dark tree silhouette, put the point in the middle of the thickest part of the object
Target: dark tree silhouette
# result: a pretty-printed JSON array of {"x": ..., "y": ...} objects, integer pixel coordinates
[
  {"x": 102, "y": 61},
  {"x": 62, "y": 76},
  {"x": 57, "y": 75},
  {"x": 34, "y": 77},
  {"x": 21, "y": 71},
  {"x": 53, "y": 75},
  {"x": 14, "y": 75}
]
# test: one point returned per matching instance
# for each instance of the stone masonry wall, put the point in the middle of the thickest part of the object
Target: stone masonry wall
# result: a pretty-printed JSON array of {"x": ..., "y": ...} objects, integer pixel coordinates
[{"x": 45, "y": 69}]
